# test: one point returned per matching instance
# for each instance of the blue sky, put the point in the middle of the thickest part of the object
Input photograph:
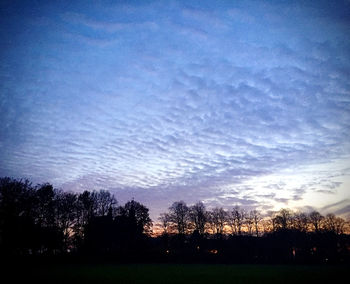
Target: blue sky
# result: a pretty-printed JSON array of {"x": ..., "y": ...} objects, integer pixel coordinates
[{"x": 229, "y": 102}]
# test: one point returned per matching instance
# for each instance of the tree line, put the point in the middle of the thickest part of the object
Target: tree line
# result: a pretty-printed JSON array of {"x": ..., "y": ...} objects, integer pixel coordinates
[
  {"x": 183, "y": 219},
  {"x": 241, "y": 236},
  {"x": 41, "y": 220}
]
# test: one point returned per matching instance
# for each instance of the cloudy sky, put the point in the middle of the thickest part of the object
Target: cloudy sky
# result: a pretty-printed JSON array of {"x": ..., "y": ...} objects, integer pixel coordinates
[{"x": 229, "y": 102}]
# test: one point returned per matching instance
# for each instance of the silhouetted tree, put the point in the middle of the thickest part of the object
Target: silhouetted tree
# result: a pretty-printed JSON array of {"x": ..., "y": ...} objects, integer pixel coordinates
[
  {"x": 99, "y": 235},
  {"x": 217, "y": 219},
  {"x": 104, "y": 202},
  {"x": 334, "y": 224},
  {"x": 179, "y": 215},
  {"x": 282, "y": 220},
  {"x": 87, "y": 204},
  {"x": 66, "y": 215},
  {"x": 43, "y": 220},
  {"x": 198, "y": 216},
  {"x": 164, "y": 219},
  {"x": 237, "y": 219},
  {"x": 51, "y": 237},
  {"x": 249, "y": 222},
  {"x": 267, "y": 224},
  {"x": 45, "y": 195},
  {"x": 300, "y": 221},
  {"x": 256, "y": 216},
  {"x": 86, "y": 209},
  {"x": 138, "y": 216},
  {"x": 17, "y": 216},
  {"x": 315, "y": 219}
]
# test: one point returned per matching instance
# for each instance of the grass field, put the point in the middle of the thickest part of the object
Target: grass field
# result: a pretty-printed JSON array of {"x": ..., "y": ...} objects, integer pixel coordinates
[{"x": 181, "y": 273}]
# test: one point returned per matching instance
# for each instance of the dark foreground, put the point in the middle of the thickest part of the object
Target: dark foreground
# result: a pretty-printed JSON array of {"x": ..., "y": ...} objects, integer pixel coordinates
[{"x": 178, "y": 273}]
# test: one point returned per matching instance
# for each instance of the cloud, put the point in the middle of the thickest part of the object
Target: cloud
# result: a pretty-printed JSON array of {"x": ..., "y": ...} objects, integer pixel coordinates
[
  {"x": 341, "y": 208},
  {"x": 110, "y": 27},
  {"x": 344, "y": 211},
  {"x": 337, "y": 204},
  {"x": 183, "y": 103}
]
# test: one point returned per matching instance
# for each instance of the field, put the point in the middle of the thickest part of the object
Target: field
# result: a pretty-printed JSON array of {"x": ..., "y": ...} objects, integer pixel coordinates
[{"x": 180, "y": 273}]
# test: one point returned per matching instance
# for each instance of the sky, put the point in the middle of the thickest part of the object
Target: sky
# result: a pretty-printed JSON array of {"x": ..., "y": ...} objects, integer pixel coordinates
[{"x": 226, "y": 102}]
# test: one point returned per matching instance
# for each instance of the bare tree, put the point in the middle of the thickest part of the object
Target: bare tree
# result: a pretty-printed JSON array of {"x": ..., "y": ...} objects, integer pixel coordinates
[
  {"x": 198, "y": 216},
  {"x": 87, "y": 206},
  {"x": 237, "y": 218},
  {"x": 179, "y": 216},
  {"x": 300, "y": 221},
  {"x": 282, "y": 219},
  {"x": 340, "y": 225},
  {"x": 267, "y": 225},
  {"x": 105, "y": 201},
  {"x": 256, "y": 216},
  {"x": 218, "y": 220},
  {"x": 315, "y": 219},
  {"x": 45, "y": 195},
  {"x": 249, "y": 222},
  {"x": 66, "y": 214},
  {"x": 334, "y": 224},
  {"x": 164, "y": 219},
  {"x": 347, "y": 226}
]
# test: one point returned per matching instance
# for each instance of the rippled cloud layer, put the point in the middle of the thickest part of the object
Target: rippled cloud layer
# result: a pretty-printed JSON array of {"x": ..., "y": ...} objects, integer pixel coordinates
[{"x": 230, "y": 102}]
